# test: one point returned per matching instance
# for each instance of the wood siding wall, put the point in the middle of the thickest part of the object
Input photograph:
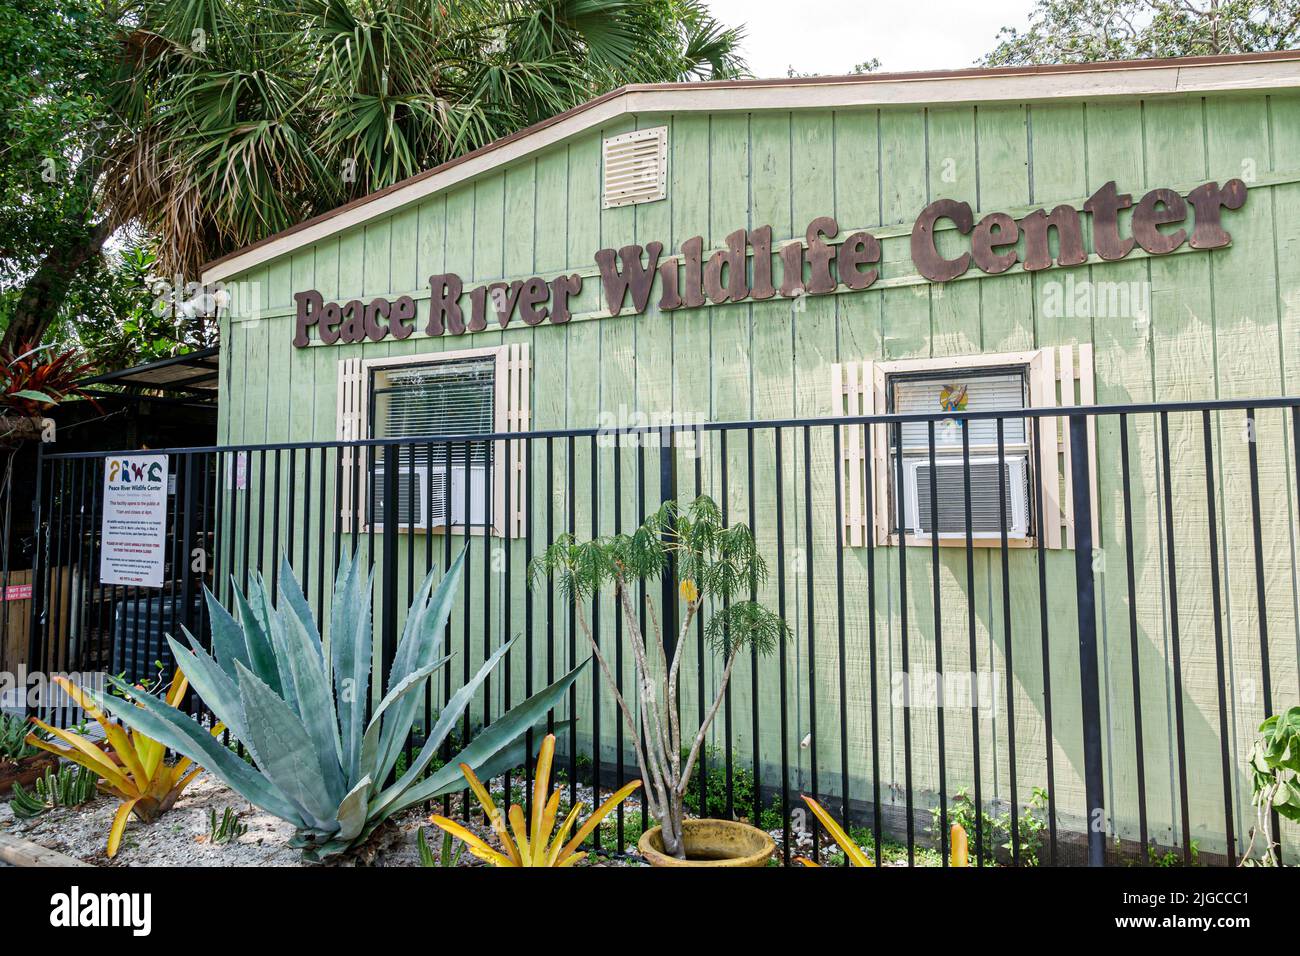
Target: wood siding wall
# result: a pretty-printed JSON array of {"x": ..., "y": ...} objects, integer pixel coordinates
[{"x": 1222, "y": 324}]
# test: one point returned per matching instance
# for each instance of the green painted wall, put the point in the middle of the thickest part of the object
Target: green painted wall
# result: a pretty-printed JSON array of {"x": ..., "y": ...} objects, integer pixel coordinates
[{"x": 1223, "y": 324}]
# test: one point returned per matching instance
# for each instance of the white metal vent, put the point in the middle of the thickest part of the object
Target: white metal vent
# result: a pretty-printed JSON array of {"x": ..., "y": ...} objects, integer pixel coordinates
[
  {"x": 950, "y": 492},
  {"x": 636, "y": 167}
]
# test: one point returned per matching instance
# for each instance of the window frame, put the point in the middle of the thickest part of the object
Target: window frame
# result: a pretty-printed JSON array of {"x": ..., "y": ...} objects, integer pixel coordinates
[
  {"x": 501, "y": 422},
  {"x": 1060, "y": 377},
  {"x": 899, "y": 459}
]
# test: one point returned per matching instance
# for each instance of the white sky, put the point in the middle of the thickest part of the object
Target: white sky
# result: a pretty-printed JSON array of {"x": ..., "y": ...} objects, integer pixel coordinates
[{"x": 830, "y": 36}]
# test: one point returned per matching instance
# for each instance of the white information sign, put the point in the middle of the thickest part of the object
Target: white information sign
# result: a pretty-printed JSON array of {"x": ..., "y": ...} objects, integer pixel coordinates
[{"x": 134, "y": 530}]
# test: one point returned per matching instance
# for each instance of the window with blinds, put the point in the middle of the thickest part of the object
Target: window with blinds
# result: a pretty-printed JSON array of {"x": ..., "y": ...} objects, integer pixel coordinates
[
  {"x": 934, "y": 500},
  {"x": 454, "y": 397}
]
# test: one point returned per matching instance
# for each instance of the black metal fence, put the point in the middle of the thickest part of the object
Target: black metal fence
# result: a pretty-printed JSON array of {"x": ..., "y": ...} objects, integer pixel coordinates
[{"x": 1088, "y": 700}]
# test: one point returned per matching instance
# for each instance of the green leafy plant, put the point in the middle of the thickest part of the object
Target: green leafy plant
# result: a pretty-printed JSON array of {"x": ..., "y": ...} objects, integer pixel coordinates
[
  {"x": 65, "y": 787},
  {"x": 995, "y": 832},
  {"x": 224, "y": 829},
  {"x": 449, "y": 855},
  {"x": 14, "y": 745},
  {"x": 1172, "y": 858},
  {"x": 1275, "y": 778},
  {"x": 711, "y": 564},
  {"x": 317, "y": 763}
]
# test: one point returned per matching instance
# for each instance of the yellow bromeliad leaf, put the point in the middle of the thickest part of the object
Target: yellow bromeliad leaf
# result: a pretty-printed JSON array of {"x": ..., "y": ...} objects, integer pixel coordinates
[
  {"x": 520, "y": 828},
  {"x": 846, "y": 843},
  {"x": 82, "y": 752},
  {"x": 960, "y": 845},
  {"x": 473, "y": 842},
  {"x": 119, "y": 826},
  {"x": 549, "y": 815},
  {"x": 543, "y": 780},
  {"x": 557, "y": 845},
  {"x": 495, "y": 817},
  {"x": 593, "y": 821}
]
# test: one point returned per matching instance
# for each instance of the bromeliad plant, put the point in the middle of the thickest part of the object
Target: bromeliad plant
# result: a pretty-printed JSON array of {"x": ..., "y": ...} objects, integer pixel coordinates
[
  {"x": 136, "y": 772},
  {"x": 317, "y": 762},
  {"x": 31, "y": 383},
  {"x": 712, "y": 565},
  {"x": 531, "y": 845}
]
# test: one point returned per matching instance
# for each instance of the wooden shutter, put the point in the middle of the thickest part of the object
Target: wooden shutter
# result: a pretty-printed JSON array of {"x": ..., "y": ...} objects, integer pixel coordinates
[
  {"x": 514, "y": 414},
  {"x": 853, "y": 394},
  {"x": 1062, "y": 377},
  {"x": 351, "y": 415}
]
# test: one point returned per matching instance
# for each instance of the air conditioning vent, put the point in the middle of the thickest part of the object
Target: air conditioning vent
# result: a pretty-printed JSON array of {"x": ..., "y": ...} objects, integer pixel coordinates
[
  {"x": 986, "y": 514},
  {"x": 412, "y": 496},
  {"x": 636, "y": 167},
  {"x": 422, "y": 495}
]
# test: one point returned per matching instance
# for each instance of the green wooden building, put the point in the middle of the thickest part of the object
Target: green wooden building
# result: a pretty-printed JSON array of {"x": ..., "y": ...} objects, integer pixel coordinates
[{"x": 1107, "y": 234}]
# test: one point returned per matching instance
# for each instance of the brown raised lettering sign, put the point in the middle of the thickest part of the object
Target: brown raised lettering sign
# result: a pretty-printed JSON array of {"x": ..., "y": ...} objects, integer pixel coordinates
[{"x": 1161, "y": 222}]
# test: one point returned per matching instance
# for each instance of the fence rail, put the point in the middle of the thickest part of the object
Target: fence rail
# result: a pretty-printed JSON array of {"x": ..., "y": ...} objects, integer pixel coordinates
[{"x": 1077, "y": 632}]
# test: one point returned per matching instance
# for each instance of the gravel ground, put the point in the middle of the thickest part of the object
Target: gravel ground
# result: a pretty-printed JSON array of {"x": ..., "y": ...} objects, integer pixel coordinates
[{"x": 180, "y": 837}]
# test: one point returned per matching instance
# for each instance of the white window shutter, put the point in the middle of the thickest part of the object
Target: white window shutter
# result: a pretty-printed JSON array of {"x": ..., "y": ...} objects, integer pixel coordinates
[
  {"x": 1063, "y": 378},
  {"x": 1042, "y": 394},
  {"x": 852, "y": 388},
  {"x": 518, "y": 416},
  {"x": 351, "y": 410}
]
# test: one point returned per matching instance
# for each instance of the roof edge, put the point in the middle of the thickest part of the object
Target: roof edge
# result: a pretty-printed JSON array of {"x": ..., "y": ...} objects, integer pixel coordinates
[{"x": 634, "y": 94}]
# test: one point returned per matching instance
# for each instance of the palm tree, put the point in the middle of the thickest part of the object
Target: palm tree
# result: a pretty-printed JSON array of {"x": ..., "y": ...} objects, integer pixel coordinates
[
  {"x": 246, "y": 118},
  {"x": 225, "y": 121}
]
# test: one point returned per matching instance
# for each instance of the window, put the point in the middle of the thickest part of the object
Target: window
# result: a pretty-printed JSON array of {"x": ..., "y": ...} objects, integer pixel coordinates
[
  {"x": 458, "y": 485},
  {"x": 922, "y": 487},
  {"x": 449, "y": 397},
  {"x": 872, "y": 456}
]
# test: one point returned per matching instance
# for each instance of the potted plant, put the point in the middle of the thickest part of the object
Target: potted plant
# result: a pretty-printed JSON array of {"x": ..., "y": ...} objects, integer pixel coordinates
[
  {"x": 711, "y": 565},
  {"x": 20, "y": 761}
]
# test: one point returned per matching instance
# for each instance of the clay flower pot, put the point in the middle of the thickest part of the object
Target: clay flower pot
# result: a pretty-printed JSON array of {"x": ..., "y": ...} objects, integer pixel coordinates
[{"x": 711, "y": 843}]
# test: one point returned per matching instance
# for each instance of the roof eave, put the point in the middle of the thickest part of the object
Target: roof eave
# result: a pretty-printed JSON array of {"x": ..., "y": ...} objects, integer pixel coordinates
[{"x": 1127, "y": 78}]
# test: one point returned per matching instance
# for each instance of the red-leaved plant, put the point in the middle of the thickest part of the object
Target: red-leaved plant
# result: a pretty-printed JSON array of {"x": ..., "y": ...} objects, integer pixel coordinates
[{"x": 32, "y": 382}]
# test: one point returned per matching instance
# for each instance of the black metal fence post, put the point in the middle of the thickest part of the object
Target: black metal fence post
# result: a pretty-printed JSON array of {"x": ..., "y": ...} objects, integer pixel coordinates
[
  {"x": 389, "y": 571},
  {"x": 668, "y": 492},
  {"x": 36, "y": 627},
  {"x": 1087, "y": 608}
]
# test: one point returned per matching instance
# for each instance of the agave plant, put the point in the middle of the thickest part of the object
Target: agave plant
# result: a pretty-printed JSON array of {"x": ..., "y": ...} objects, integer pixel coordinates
[
  {"x": 532, "y": 845},
  {"x": 318, "y": 763},
  {"x": 136, "y": 773},
  {"x": 960, "y": 855}
]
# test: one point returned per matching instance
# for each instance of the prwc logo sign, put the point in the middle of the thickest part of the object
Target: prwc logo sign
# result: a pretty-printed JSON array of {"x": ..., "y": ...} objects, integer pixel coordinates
[{"x": 135, "y": 520}]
